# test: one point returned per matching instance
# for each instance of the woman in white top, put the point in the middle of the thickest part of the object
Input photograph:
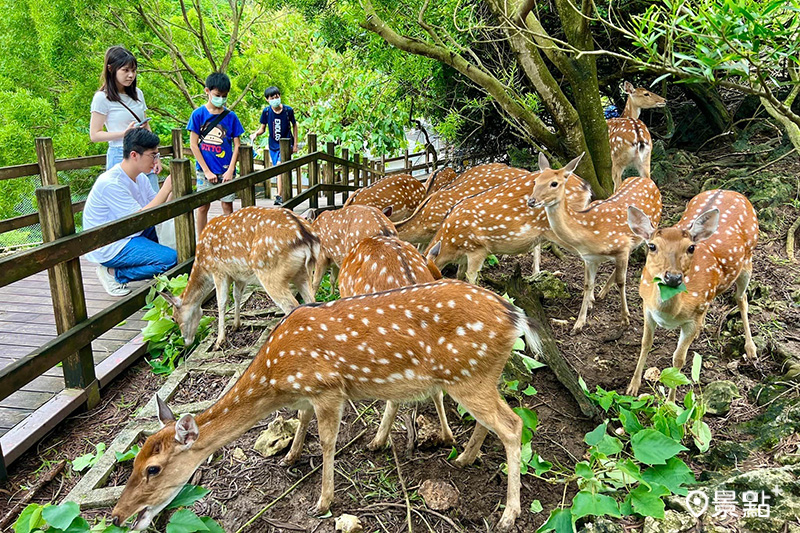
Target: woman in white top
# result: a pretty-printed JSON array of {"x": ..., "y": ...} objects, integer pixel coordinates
[{"x": 119, "y": 106}]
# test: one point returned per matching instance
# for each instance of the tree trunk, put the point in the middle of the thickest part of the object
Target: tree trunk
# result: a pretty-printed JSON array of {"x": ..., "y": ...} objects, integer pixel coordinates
[
  {"x": 708, "y": 101},
  {"x": 528, "y": 298}
]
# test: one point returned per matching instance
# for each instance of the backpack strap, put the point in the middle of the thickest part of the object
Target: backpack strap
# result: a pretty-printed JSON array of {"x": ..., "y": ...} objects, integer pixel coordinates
[{"x": 208, "y": 126}]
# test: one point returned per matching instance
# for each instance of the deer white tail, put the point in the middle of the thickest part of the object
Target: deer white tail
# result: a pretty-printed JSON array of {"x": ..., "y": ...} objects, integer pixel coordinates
[{"x": 527, "y": 329}]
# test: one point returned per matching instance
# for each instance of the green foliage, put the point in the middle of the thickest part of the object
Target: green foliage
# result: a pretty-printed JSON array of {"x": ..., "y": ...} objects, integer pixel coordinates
[
  {"x": 127, "y": 456},
  {"x": 79, "y": 464},
  {"x": 165, "y": 342},
  {"x": 187, "y": 496},
  {"x": 326, "y": 293}
]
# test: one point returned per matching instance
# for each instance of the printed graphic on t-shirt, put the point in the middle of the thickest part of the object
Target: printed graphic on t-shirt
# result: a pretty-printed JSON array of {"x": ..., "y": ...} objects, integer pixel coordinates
[
  {"x": 213, "y": 141},
  {"x": 277, "y": 129}
]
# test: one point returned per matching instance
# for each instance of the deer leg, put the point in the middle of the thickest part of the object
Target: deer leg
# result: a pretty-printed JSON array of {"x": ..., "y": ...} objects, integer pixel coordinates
[
  {"x": 238, "y": 289},
  {"x": 475, "y": 261},
  {"x": 616, "y": 173},
  {"x": 607, "y": 287},
  {"x": 590, "y": 273},
  {"x": 222, "y": 283},
  {"x": 473, "y": 447},
  {"x": 537, "y": 258},
  {"x": 329, "y": 415},
  {"x": 323, "y": 262},
  {"x": 382, "y": 437},
  {"x": 689, "y": 332},
  {"x": 647, "y": 343},
  {"x": 303, "y": 285},
  {"x": 644, "y": 163},
  {"x": 492, "y": 412},
  {"x": 278, "y": 290},
  {"x": 304, "y": 416},
  {"x": 334, "y": 279},
  {"x": 620, "y": 271},
  {"x": 446, "y": 435},
  {"x": 741, "y": 299}
]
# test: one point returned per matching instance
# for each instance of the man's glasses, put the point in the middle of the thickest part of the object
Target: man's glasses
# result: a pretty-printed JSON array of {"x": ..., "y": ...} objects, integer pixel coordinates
[{"x": 155, "y": 155}]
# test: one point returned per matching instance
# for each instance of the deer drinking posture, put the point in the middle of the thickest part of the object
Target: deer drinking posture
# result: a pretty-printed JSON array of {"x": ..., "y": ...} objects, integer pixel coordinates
[
  {"x": 401, "y": 192},
  {"x": 421, "y": 226},
  {"x": 598, "y": 233},
  {"x": 498, "y": 221},
  {"x": 707, "y": 251},
  {"x": 341, "y": 229},
  {"x": 628, "y": 137},
  {"x": 392, "y": 345},
  {"x": 274, "y": 245}
]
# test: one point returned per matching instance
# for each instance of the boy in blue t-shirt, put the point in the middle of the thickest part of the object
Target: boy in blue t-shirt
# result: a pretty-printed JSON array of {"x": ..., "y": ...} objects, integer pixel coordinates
[
  {"x": 214, "y": 139},
  {"x": 280, "y": 120}
]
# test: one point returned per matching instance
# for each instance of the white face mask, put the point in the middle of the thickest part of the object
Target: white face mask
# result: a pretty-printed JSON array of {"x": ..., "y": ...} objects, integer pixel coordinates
[
  {"x": 275, "y": 103},
  {"x": 218, "y": 101}
]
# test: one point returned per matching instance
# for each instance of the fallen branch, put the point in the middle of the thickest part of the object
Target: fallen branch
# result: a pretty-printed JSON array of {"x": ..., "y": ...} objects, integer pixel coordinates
[
  {"x": 528, "y": 297},
  {"x": 44, "y": 480},
  {"x": 405, "y": 491},
  {"x": 377, "y": 506},
  {"x": 297, "y": 484}
]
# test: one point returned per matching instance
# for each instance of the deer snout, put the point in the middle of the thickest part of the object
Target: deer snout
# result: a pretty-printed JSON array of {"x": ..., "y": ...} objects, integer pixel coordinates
[
  {"x": 673, "y": 279},
  {"x": 115, "y": 520},
  {"x": 533, "y": 203}
]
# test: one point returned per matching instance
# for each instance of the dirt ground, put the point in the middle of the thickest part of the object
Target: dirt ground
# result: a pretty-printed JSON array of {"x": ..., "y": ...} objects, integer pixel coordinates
[{"x": 368, "y": 484}]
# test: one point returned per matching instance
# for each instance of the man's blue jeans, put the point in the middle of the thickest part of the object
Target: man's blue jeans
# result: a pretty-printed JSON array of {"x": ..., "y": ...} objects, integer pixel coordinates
[{"x": 142, "y": 258}]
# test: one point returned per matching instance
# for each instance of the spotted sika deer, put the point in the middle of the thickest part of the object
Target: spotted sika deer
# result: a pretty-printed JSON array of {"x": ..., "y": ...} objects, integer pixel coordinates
[
  {"x": 420, "y": 227},
  {"x": 445, "y": 335},
  {"x": 273, "y": 245},
  {"x": 707, "y": 251},
  {"x": 439, "y": 180},
  {"x": 401, "y": 192},
  {"x": 628, "y": 137},
  {"x": 498, "y": 221},
  {"x": 598, "y": 233},
  {"x": 340, "y": 230}
]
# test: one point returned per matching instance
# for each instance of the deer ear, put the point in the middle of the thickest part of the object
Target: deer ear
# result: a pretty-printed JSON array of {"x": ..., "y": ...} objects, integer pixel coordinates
[
  {"x": 171, "y": 299},
  {"x": 572, "y": 165},
  {"x": 704, "y": 225},
  {"x": 544, "y": 164},
  {"x": 388, "y": 211},
  {"x": 165, "y": 415},
  {"x": 640, "y": 223},
  {"x": 186, "y": 430},
  {"x": 310, "y": 215},
  {"x": 436, "y": 249},
  {"x": 628, "y": 87}
]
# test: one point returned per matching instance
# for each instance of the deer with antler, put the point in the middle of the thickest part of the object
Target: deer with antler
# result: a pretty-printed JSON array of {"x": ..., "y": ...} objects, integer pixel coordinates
[
  {"x": 689, "y": 264},
  {"x": 379, "y": 264},
  {"x": 400, "y": 192},
  {"x": 272, "y": 245},
  {"x": 628, "y": 137},
  {"x": 340, "y": 230},
  {"x": 423, "y": 224},
  {"x": 498, "y": 221},
  {"x": 445, "y": 335},
  {"x": 598, "y": 233}
]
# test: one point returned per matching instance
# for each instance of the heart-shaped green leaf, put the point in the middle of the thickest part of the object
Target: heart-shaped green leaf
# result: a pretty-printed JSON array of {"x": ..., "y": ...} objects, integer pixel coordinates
[{"x": 666, "y": 291}]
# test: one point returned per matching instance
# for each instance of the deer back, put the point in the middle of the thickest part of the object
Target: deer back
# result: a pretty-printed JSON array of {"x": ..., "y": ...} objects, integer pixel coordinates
[
  {"x": 340, "y": 230},
  {"x": 439, "y": 180},
  {"x": 420, "y": 227},
  {"x": 401, "y": 192},
  {"x": 382, "y": 263},
  {"x": 715, "y": 263}
]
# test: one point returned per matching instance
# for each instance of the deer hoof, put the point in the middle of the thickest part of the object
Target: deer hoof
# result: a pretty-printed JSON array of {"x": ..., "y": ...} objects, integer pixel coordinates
[
  {"x": 506, "y": 522},
  {"x": 633, "y": 388},
  {"x": 319, "y": 509},
  {"x": 462, "y": 461},
  {"x": 287, "y": 461},
  {"x": 376, "y": 444},
  {"x": 447, "y": 440}
]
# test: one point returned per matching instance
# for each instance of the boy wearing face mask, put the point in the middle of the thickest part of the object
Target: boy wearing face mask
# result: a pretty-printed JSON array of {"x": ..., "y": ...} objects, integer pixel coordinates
[
  {"x": 280, "y": 120},
  {"x": 214, "y": 139}
]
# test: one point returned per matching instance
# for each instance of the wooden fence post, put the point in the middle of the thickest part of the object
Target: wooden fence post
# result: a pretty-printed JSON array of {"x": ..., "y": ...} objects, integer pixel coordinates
[
  {"x": 267, "y": 183},
  {"x": 345, "y": 172},
  {"x": 3, "y": 471},
  {"x": 364, "y": 172},
  {"x": 331, "y": 150},
  {"x": 177, "y": 143},
  {"x": 181, "y": 171},
  {"x": 383, "y": 164},
  {"x": 286, "y": 177},
  {"x": 313, "y": 169},
  {"x": 66, "y": 288},
  {"x": 405, "y": 160},
  {"x": 356, "y": 170},
  {"x": 47, "y": 160},
  {"x": 247, "y": 194},
  {"x": 373, "y": 165}
]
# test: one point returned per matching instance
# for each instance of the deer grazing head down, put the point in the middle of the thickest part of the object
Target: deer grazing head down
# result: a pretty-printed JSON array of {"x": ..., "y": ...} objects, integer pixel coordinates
[
  {"x": 401, "y": 192},
  {"x": 439, "y": 179},
  {"x": 272, "y": 244},
  {"x": 689, "y": 264},
  {"x": 404, "y": 343}
]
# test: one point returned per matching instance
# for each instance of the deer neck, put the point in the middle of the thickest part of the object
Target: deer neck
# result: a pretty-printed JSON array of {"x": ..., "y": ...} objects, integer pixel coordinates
[
  {"x": 631, "y": 109},
  {"x": 199, "y": 283},
  {"x": 565, "y": 224}
]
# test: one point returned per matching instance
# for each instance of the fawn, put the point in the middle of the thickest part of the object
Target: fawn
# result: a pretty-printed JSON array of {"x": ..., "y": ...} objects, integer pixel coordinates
[
  {"x": 708, "y": 250},
  {"x": 628, "y": 137},
  {"x": 598, "y": 233},
  {"x": 498, "y": 221},
  {"x": 272, "y": 244},
  {"x": 401, "y": 192},
  {"x": 391, "y": 345},
  {"x": 422, "y": 225},
  {"x": 379, "y": 264},
  {"x": 439, "y": 180},
  {"x": 341, "y": 229}
]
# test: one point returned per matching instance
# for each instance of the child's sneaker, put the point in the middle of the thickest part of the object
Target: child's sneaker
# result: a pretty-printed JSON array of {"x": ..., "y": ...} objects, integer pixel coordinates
[
  {"x": 110, "y": 284},
  {"x": 278, "y": 200}
]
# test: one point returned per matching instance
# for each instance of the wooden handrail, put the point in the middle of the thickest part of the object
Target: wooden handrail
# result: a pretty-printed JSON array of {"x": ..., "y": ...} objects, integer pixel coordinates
[{"x": 23, "y": 221}]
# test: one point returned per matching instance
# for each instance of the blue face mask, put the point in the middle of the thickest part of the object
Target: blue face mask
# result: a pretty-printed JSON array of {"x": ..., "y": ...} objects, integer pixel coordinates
[
  {"x": 275, "y": 103},
  {"x": 218, "y": 101}
]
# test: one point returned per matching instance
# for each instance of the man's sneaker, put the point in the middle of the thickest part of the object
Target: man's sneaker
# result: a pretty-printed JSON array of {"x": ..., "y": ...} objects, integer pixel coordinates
[
  {"x": 110, "y": 284},
  {"x": 278, "y": 200}
]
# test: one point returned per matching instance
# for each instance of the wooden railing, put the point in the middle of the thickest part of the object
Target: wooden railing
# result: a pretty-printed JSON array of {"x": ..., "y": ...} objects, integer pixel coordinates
[{"x": 60, "y": 253}]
